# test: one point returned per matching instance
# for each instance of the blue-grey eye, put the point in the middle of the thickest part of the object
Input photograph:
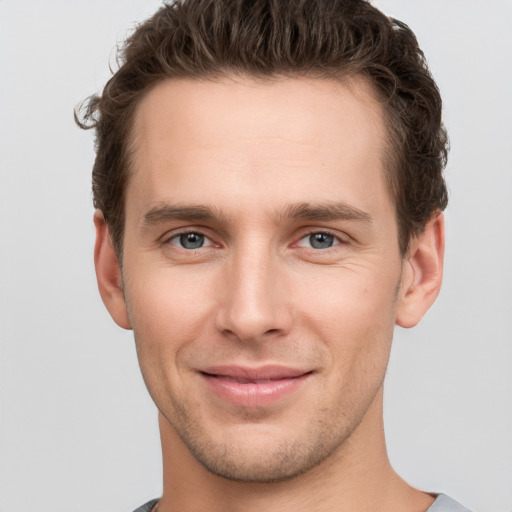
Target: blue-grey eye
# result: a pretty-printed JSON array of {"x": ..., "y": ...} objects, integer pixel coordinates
[
  {"x": 321, "y": 240},
  {"x": 191, "y": 240}
]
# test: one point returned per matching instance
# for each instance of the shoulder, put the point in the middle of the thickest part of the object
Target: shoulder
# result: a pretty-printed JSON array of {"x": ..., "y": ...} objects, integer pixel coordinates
[
  {"x": 147, "y": 507},
  {"x": 444, "y": 503}
]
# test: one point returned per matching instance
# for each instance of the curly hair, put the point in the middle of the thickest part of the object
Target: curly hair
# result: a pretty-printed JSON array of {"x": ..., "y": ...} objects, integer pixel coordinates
[{"x": 211, "y": 39}]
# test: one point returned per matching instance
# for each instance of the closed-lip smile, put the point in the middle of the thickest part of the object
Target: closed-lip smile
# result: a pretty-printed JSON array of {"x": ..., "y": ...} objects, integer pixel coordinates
[{"x": 256, "y": 386}]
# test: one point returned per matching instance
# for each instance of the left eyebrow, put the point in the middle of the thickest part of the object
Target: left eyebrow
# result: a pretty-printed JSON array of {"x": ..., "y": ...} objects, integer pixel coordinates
[{"x": 325, "y": 212}]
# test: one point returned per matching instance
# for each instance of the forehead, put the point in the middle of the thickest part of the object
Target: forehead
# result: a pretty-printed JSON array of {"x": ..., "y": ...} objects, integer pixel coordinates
[{"x": 260, "y": 142}]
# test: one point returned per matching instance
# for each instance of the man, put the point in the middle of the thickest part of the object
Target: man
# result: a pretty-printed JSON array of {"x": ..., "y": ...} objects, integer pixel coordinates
[{"x": 269, "y": 197}]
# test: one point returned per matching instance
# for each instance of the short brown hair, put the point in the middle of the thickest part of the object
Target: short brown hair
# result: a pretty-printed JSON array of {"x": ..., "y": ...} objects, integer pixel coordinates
[{"x": 292, "y": 38}]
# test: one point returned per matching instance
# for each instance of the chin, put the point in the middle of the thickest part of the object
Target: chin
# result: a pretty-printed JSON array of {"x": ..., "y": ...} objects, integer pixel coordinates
[
  {"x": 260, "y": 468},
  {"x": 262, "y": 456}
]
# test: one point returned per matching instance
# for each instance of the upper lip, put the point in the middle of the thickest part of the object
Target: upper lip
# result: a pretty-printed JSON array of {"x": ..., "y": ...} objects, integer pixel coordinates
[{"x": 266, "y": 372}]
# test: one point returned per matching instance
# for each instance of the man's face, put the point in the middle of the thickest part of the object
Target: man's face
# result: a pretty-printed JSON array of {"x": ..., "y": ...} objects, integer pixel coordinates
[{"x": 261, "y": 268}]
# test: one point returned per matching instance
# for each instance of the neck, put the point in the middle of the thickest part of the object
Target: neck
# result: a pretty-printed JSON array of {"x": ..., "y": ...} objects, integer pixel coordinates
[{"x": 358, "y": 476}]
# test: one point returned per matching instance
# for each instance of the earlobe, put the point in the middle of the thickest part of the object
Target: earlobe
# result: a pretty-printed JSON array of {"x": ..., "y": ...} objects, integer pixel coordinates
[
  {"x": 422, "y": 273},
  {"x": 108, "y": 273}
]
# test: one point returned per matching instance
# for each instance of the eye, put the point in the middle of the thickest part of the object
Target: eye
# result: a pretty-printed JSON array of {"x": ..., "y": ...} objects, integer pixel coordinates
[
  {"x": 319, "y": 240},
  {"x": 190, "y": 241}
]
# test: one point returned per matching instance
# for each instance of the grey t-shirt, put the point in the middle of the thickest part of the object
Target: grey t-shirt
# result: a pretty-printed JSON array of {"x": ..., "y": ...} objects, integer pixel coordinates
[
  {"x": 443, "y": 503},
  {"x": 147, "y": 507}
]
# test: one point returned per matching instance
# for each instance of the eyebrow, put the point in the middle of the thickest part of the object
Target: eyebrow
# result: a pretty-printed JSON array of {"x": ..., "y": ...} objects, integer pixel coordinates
[
  {"x": 167, "y": 212},
  {"x": 325, "y": 212},
  {"x": 299, "y": 211}
]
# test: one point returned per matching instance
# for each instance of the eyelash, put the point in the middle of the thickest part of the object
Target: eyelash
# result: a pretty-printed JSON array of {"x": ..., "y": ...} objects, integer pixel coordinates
[
  {"x": 337, "y": 240},
  {"x": 178, "y": 236}
]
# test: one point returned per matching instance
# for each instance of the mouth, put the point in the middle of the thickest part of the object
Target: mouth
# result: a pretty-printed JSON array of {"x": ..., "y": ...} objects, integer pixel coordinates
[{"x": 254, "y": 387}]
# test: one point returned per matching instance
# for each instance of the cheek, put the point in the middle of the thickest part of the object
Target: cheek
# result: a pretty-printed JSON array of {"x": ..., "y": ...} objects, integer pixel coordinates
[
  {"x": 166, "y": 317},
  {"x": 357, "y": 331},
  {"x": 353, "y": 312},
  {"x": 168, "y": 303},
  {"x": 168, "y": 312},
  {"x": 357, "y": 296}
]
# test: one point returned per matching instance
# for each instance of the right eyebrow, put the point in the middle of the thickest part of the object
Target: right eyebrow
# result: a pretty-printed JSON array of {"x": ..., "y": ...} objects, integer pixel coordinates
[
  {"x": 326, "y": 212},
  {"x": 166, "y": 212}
]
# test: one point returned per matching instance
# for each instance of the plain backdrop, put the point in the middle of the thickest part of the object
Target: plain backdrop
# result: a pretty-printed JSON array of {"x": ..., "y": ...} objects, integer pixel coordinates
[{"x": 78, "y": 431}]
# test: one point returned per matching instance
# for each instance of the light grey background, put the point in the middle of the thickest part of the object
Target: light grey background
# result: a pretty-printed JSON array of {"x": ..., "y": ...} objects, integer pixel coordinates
[{"x": 78, "y": 431}]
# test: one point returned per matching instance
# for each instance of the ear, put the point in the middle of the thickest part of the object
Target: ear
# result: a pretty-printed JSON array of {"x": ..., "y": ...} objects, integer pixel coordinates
[
  {"x": 108, "y": 273},
  {"x": 422, "y": 273}
]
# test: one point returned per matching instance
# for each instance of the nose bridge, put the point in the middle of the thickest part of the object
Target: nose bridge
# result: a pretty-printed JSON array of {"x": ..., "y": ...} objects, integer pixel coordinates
[{"x": 253, "y": 303}]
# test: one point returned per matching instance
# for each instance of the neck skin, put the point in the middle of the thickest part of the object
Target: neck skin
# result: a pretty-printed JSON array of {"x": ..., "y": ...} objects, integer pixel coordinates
[{"x": 358, "y": 476}]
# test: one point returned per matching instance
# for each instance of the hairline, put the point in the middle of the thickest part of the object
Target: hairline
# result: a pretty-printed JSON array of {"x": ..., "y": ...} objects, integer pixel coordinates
[{"x": 389, "y": 155}]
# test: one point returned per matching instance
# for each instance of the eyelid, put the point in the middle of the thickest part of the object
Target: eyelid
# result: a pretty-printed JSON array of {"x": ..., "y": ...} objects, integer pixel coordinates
[
  {"x": 340, "y": 238},
  {"x": 169, "y": 237},
  {"x": 207, "y": 241}
]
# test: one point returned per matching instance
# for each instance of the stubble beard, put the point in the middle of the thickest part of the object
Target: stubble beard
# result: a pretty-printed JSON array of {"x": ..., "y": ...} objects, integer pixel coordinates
[{"x": 235, "y": 460}]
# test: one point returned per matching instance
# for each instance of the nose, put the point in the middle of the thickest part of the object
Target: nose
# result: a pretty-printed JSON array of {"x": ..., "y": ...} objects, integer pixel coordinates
[{"x": 255, "y": 303}]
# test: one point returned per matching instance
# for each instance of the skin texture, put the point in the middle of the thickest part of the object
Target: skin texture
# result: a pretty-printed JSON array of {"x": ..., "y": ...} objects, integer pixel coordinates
[{"x": 256, "y": 168}]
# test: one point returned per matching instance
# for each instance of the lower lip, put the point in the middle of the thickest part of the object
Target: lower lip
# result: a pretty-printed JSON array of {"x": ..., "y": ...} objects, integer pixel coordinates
[{"x": 254, "y": 394}]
